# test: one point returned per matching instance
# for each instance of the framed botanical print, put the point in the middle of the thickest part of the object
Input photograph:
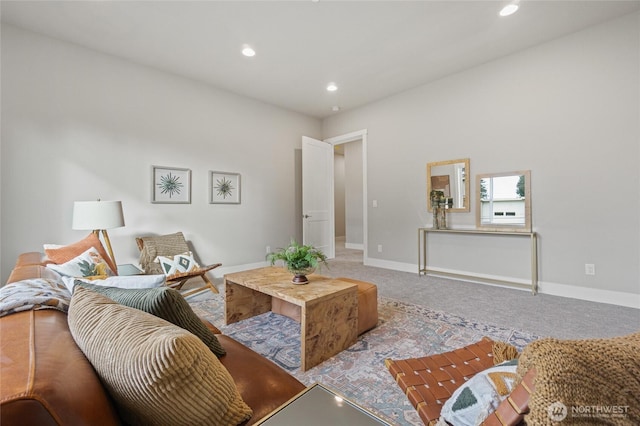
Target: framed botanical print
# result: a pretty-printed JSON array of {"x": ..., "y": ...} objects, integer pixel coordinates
[
  {"x": 224, "y": 188},
  {"x": 170, "y": 185}
]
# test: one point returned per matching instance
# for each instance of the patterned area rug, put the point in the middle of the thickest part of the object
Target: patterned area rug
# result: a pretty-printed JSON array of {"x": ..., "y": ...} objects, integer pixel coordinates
[{"x": 404, "y": 331}]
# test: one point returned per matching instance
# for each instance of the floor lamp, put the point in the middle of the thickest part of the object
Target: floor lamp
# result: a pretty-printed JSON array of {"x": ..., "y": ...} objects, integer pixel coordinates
[{"x": 98, "y": 216}]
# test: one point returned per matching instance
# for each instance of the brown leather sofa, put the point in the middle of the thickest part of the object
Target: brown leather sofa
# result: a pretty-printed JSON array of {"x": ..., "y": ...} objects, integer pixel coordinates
[{"x": 46, "y": 379}]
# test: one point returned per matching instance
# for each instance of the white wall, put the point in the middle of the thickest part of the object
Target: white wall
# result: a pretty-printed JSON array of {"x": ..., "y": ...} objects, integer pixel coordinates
[
  {"x": 78, "y": 125},
  {"x": 568, "y": 111}
]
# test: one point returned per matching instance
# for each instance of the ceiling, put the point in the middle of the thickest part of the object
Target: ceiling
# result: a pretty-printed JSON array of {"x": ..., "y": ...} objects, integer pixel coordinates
[{"x": 370, "y": 49}]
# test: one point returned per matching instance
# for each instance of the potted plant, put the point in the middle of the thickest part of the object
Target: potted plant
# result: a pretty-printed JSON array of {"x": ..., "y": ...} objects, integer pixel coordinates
[{"x": 300, "y": 260}]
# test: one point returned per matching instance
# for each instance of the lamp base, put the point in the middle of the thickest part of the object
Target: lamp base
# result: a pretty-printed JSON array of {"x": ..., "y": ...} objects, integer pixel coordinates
[{"x": 107, "y": 242}]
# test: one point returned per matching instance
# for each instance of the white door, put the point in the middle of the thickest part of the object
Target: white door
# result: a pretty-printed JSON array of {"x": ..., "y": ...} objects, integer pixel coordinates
[{"x": 317, "y": 195}]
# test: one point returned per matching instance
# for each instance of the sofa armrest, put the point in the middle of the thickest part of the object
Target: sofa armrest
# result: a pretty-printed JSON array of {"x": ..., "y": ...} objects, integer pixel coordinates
[
  {"x": 32, "y": 258},
  {"x": 20, "y": 273}
]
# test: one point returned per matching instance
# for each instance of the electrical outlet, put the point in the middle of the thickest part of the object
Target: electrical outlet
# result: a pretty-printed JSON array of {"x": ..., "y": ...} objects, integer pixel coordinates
[
  {"x": 379, "y": 248},
  {"x": 268, "y": 249},
  {"x": 589, "y": 269}
]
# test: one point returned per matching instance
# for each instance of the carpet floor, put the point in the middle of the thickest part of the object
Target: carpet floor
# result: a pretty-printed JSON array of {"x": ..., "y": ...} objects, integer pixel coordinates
[{"x": 404, "y": 330}]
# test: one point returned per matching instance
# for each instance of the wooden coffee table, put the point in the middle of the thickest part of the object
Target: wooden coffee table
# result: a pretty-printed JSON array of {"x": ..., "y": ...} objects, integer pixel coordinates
[{"x": 328, "y": 308}]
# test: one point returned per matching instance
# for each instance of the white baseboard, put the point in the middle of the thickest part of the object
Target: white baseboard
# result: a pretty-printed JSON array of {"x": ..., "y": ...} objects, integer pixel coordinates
[
  {"x": 221, "y": 271},
  {"x": 389, "y": 264},
  {"x": 354, "y": 246},
  {"x": 630, "y": 300}
]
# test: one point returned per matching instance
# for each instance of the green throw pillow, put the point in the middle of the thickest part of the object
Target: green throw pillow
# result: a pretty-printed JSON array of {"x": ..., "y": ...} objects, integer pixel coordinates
[{"x": 163, "y": 302}]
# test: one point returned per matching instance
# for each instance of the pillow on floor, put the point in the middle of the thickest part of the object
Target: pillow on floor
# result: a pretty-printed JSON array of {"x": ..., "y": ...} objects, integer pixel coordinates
[
  {"x": 62, "y": 254},
  {"x": 157, "y": 373},
  {"x": 163, "y": 302},
  {"x": 121, "y": 281},
  {"x": 473, "y": 401}
]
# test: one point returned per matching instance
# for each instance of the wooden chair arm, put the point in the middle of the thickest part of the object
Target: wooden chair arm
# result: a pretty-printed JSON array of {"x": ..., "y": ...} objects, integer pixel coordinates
[{"x": 181, "y": 276}]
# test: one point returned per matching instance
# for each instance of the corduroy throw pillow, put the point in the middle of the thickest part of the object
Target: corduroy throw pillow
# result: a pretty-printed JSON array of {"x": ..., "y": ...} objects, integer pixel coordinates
[
  {"x": 157, "y": 373},
  {"x": 163, "y": 302}
]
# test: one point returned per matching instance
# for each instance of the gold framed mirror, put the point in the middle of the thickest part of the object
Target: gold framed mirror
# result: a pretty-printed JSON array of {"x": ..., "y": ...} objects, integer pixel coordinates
[
  {"x": 503, "y": 201},
  {"x": 452, "y": 178}
]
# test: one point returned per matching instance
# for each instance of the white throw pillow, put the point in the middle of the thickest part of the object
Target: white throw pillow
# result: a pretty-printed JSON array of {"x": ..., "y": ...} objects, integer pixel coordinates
[
  {"x": 480, "y": 396},
  {"x": 121, "y": 281},
  {"x": 87, "y": 264},
  {"x": 179, "y": 263}
]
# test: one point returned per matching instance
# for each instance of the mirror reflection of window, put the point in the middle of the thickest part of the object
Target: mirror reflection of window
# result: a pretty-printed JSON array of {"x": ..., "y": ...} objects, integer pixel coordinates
[{"x": 503, "y": 200}]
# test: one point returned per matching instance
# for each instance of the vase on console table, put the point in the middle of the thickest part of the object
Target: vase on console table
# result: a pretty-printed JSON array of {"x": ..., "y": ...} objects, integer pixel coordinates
[{"x": 439, "y": 206}]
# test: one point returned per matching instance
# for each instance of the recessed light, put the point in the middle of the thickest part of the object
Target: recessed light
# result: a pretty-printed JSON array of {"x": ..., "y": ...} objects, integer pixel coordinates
[
  {"x": 331, "y": 87},
  {"x": 248, "y": 51},
  {"x": 509, "y": 9},
  {"x": 335, "y": 108}
]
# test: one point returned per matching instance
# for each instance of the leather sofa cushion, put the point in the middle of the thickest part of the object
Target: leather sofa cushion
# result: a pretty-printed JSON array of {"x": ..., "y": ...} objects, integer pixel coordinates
[
  {"x": 256, "y": 376},
  {"x": 46, "y": 380}
]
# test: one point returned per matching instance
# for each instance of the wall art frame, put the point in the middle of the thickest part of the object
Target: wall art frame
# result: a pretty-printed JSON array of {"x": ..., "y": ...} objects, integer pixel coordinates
[
  {"x": 224, "y": 188},
  {"x": 170, "y": 185}
]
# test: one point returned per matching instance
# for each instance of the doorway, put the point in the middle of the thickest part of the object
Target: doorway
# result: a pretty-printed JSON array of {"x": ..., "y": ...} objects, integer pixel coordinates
[{"x": 350, "y": 193}]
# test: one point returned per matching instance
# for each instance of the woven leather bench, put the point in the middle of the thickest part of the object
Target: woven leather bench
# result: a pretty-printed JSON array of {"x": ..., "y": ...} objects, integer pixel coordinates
[{"x": 428, "y": 382}]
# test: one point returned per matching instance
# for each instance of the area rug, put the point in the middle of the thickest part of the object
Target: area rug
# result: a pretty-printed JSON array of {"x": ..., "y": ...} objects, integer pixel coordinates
[{"x": 404, "y": 331}]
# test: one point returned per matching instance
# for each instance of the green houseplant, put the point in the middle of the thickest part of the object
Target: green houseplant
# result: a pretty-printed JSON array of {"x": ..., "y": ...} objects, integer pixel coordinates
[{"x": 300, "y": 260}]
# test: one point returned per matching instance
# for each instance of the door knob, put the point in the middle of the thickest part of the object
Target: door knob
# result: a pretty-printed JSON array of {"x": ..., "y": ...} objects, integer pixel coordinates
[{"x": 306, "y": 216}]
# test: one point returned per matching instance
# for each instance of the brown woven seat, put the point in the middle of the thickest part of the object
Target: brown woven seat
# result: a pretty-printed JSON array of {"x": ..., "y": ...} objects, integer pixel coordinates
[
  {"x": 428, "y": 382},
  {"x": 171, "y": 245}
]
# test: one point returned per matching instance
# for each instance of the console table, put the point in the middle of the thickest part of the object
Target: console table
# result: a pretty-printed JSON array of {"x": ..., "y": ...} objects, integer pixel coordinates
[{"x": 422, "y": 254}]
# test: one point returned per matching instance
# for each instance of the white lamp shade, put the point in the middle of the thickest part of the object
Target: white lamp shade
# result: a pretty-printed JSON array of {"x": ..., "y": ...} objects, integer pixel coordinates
[{"x": 97, "y": 215}]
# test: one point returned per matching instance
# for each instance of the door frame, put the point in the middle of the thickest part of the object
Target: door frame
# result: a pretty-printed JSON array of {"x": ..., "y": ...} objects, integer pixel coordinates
[{"x": 346, "y": 138}]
